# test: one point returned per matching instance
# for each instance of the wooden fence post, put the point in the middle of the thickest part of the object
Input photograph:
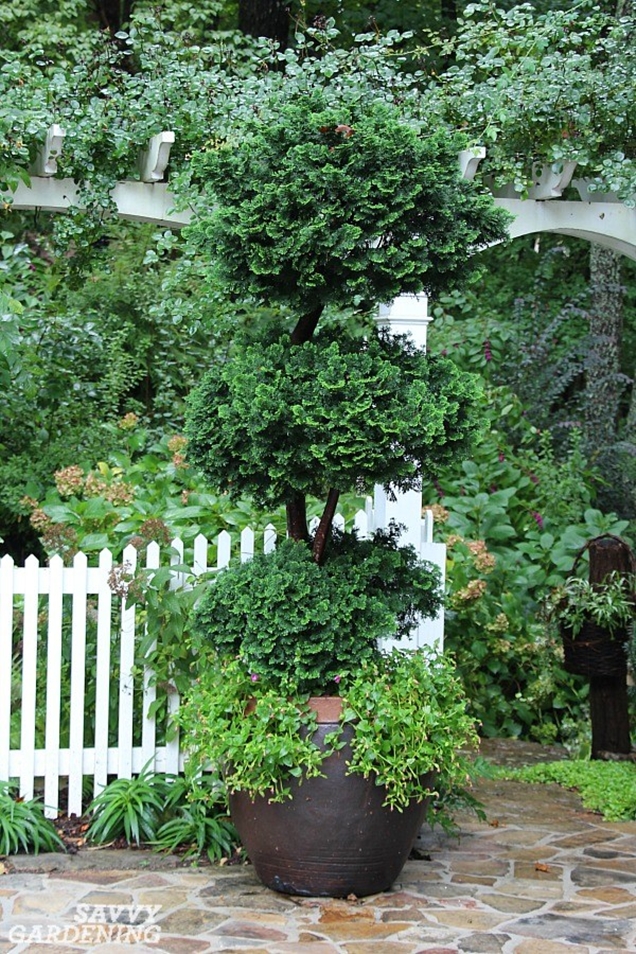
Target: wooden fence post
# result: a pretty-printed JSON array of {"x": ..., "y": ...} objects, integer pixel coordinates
[{"x": 608, "y": 694}]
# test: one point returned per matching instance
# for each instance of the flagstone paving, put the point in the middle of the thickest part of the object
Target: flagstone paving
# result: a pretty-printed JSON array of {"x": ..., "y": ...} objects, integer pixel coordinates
[{"x": 541, "y": 876}]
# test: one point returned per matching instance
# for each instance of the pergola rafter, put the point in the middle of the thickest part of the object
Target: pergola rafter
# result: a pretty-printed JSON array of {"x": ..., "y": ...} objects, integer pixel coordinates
[{"x": 595, "y": 217}]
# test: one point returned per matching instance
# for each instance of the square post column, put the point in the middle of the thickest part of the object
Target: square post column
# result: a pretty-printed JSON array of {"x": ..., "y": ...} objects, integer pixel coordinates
[{"x": 408, "y": 314}]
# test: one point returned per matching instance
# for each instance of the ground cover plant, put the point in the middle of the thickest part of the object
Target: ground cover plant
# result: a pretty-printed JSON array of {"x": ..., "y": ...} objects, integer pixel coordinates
[{"x": 605, "y": 787}]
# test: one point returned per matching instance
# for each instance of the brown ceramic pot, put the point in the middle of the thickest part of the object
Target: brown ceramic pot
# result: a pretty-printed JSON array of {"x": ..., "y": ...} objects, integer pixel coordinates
[{"x": 334, "y": 837}]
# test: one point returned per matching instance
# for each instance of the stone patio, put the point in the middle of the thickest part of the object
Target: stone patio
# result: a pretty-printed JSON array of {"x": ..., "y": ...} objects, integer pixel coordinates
[{"x": 540, "y": 876}]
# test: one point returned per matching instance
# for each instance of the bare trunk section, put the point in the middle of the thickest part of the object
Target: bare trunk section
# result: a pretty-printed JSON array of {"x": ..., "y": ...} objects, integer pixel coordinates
[
  {"x": 113, "y": 14},
  {"x": 269, "y": 18},
  {"x": 604, "y": 385},
  {"x": 306, "y": 326},
  {"x": 630, "y": 423},
  {"x": 297, "y": 507},
  {"x": 609, "y": 711},
  {"x": 323, "y": 532}
]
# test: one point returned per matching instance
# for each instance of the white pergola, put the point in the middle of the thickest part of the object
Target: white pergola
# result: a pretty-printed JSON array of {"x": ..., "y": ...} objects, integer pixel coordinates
[{"x": 595, "y": 217}]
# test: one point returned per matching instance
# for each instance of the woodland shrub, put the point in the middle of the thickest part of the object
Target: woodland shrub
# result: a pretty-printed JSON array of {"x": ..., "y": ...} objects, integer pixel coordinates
[{"x": 514, "y": 517}]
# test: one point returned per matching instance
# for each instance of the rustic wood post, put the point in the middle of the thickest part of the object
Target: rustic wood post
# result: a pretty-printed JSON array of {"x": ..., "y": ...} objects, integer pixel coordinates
[{"x": 608, "y": 694}]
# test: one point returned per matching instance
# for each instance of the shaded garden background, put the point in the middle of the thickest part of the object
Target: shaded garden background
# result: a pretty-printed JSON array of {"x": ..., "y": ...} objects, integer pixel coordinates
[{"x": 106, "y": 324}]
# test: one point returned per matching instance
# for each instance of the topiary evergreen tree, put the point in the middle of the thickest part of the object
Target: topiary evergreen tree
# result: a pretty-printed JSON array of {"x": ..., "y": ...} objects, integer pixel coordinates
[
  {"x": 323, "y": 212},
  {"x": 328, "y": 210}
]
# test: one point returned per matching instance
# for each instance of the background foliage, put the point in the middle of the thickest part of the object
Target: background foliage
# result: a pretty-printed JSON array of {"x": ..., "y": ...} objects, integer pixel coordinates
[{"x": 101, "y": 319}]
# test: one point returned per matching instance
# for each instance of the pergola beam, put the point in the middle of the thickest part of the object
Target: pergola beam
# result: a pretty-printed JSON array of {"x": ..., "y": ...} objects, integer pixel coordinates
[{"x": 598, "y": 217}]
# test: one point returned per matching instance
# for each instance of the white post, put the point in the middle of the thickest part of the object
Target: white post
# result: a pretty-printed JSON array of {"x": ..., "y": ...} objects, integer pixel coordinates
[
  {"x": 408, "y": 314},
  {"x": 405, "y": 315}
]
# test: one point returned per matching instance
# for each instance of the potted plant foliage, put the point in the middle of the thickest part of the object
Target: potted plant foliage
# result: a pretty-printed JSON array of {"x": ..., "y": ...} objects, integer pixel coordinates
[
  {"x": 329, "y": 747},
  {"x": 594, "y": 620}
]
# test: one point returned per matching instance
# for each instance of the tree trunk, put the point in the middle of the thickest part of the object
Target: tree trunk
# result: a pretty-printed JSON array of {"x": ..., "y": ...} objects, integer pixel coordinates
[
  {"x": 296, "y": 510},
  {"x": 323, "y": 531},
  {"x": 448, "y": 9},
  {"x": 609, "y": 711},
  {"x": 113, "y": 14},
  {"x": 268, "y": 18},
  {"x": 604, "y": 385},
  {"x": 630, "y": 423}
]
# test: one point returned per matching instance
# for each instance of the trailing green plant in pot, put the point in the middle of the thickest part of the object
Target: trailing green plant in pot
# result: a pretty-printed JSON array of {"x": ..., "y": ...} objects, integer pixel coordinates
[
  {"x": 324, "y": 210},
  {"x": 594, "y": 620}
]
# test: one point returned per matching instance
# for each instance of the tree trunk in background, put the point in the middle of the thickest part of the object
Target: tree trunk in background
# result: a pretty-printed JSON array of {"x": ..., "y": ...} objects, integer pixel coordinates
[
  {"x": 609, "y": 710},
  {"x": 630, "y": 423},
  {"x": 448, "y": 9},
  {"x": 268, "y": 18},
  {"x": 113, "y": 14},
  {"x": 603, "y": 384}
]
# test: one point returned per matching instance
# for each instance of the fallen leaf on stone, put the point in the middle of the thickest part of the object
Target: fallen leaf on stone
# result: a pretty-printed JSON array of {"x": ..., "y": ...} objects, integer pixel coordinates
[
  {"x": 494, "y": 823},
  {"x": 541, "y": 867}
]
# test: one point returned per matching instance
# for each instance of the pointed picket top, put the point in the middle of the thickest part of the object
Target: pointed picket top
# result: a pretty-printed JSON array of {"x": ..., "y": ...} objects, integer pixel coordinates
[
  {"x": 153, "y": 556},
  {"x": 177, "y": 549},
  {"x": 80, "y": 561},
  {"x": 7, "y": 561},
  {"x": 361, "y": 524},
  {"x": 200, "y": 557},
  {"x": 224, "y": 549},
  {"x": 105, "y": 558},
  {"x": 247, "y": 544},
  {"x": 269, "y": 538},
  {"x": 129, "y": 557},
  {"x": 31, "y": 563}
]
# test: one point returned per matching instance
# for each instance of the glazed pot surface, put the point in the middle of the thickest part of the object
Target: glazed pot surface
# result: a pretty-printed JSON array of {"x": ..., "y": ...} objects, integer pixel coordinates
[{"x": 333, "y": 838}]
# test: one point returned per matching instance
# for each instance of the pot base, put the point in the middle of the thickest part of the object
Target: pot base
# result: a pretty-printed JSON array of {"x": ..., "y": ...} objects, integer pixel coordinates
[{"x": 333, "y": 838}]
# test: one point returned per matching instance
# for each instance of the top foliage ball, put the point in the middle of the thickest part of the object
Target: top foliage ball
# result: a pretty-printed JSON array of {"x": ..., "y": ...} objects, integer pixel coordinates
[{"x": 337, "y": 205}]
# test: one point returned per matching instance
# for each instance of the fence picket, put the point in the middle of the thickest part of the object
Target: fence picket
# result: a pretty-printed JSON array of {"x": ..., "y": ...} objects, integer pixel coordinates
[
  {"x": 148, "y": 724},
  {"x": 200, "y": 562},
  {"x": 103, "y": 672},
  {"x": 362, "y": 524},
  {"x": 43, "y": 590},
  {"x": 126, "y": 687},
  {"x": 78, "y": 684},
  {"x": 29, "y": 676},
  {"x": 7, "y": 569},
  {"x": 179, "y": 578},
  {"x": 53, "y": 687},
  {"x": 269, "y": 538},
  {"x": 224, "y": 549},
  {"x": 247, "y": 544}
]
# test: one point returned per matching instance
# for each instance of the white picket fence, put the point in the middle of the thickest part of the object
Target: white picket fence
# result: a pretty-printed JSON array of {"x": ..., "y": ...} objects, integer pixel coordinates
[{"x": 44, "y": 743}]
